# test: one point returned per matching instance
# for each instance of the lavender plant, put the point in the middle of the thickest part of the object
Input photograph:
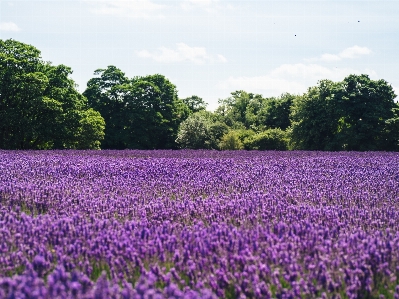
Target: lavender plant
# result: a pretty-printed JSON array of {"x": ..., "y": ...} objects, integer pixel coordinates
[{"x": 199, "y": 224}]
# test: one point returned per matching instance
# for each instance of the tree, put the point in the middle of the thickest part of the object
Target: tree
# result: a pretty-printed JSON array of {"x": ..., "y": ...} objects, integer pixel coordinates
[
  {"x": 314, "y": 118},
  {"x": 393, "y": 129},
  {"x": 243, "y": 110},
  {"x": 355, "y": 114},
  {"x": 366, "y": 105},
  {"x": 106, "y": 94},
  {"x": 194, "y": 132},
  {"x": 233, "y": 110},
  {"x": 275, "y": 112},
  {"x": 169, "y": 110},
  {"x": 91, "y": 130},
  {"x": 200, "y": 131},
  {"x": 217, "y": 130},
  {"x": 140, "y": 113},
  {"x": 195, "y": 103},
  {"x": 40, "y": 107}
]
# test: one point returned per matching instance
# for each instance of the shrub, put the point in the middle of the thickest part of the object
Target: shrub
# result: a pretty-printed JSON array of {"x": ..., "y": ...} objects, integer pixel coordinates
[
  {"x": 231, "y": 141},
  {"x": 271, "y": 139}
]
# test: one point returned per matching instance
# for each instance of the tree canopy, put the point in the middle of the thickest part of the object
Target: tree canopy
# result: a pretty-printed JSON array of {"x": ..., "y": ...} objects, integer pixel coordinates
[
  {"x": 40, "y": 107},
  {"x": 201, "y": 131},
  {"x": 141, "y": 113},
  {"x": 252, "y": 111},
  {"x": 355, "y": 114},
  {"x": 195, "y": 103}
]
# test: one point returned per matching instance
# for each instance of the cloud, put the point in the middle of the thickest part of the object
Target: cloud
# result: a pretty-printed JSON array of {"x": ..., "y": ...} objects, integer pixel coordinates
[
  {"x": 128, "y": 8},
  {"x": 354, "y": 52},
  {"x": 348, "y": 53},
  {"x": 183, "y": 52},
  {"x": 292, "y": 78},
  {"x": 9, "y": 26}
]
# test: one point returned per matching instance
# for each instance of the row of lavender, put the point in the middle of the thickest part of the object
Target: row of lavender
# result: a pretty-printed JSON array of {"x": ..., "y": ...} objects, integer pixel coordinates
[{"x": 198, "y": 224}]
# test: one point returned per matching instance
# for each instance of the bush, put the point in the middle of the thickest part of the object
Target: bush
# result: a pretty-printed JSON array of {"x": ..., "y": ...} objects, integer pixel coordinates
[
  {"x": 194, "y": 132},
  {"x": 231, "y": 141},
  {"x": 271, "y": 139}
]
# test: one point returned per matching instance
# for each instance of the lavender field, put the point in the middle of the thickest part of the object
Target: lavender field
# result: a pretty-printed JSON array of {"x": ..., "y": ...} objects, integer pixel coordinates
[{"x": 199, "y": 224}]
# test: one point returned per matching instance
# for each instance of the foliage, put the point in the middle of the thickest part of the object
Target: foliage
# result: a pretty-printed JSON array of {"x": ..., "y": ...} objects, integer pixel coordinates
[
  {"x": 314, "y": 118},
  {"x": 366, "y": 105},
  {"x": 275, "y": 113},
  {"x": 231, "y": 141},
  {"x": 233, "y": 110},
  {"x": 40, "y": 107},
  {"x": 142, "y": 113},
  {"x": 355, "y": 114},
  {"x": 194, "y": 103},
  {"x": 200, "y": 131},
  {"x": 243, "y": 134},
  {"x": 271, "y": 139},
  {"x": 392, "y": 126},
  {"x": 249, "y": 111},
  {"x": 217, "y": 130},
  {"x": 92, "y": 127},
  {"x": 194, "y": 132}
]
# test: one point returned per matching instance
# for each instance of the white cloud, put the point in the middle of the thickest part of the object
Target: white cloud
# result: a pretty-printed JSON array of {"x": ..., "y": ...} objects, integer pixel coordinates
[
  {"x": 348, "y": 53},
  {"x": 129, "y": 8},
  {"x": 183, "y": 52},
  {"x": 292, "y": 78},
  {"x": 354, "y": 52},
  {"x": 9, "y": 26}
]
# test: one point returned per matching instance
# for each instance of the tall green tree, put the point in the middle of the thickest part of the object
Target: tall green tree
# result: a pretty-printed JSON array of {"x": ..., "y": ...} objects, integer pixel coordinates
[
  {"x": 243, "y": 110},
  {"x": 275, "y": 112},
  {"x": 393, "y": 129},
  {"x": 140, "y": 113},
  {"x": 40, "y": 107},
  {"x": 355, "y": 114},
  {"x": 169, "y": 111},
  {"x": 234, "y": 112},
  {"x": 366, "y": 105},
  {"x": 106, "y": 94},
  {"x": 195, "y": 103},
  {"x": 315, "y": 117}
]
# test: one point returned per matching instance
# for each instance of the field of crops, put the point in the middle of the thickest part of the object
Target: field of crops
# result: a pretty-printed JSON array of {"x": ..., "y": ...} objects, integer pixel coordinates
[{"x": 198, "y": 224}]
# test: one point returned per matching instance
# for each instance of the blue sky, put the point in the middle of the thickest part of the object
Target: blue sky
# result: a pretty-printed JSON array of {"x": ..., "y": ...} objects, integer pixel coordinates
[{"x": 211, "y": 48}]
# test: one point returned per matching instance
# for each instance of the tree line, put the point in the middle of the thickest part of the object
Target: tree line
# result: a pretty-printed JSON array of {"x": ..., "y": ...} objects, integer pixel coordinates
[{"x": 41, "y": 108}]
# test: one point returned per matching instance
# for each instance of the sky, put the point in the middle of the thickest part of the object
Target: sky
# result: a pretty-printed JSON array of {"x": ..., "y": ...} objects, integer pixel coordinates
[{"x": 211, "y": 48}]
